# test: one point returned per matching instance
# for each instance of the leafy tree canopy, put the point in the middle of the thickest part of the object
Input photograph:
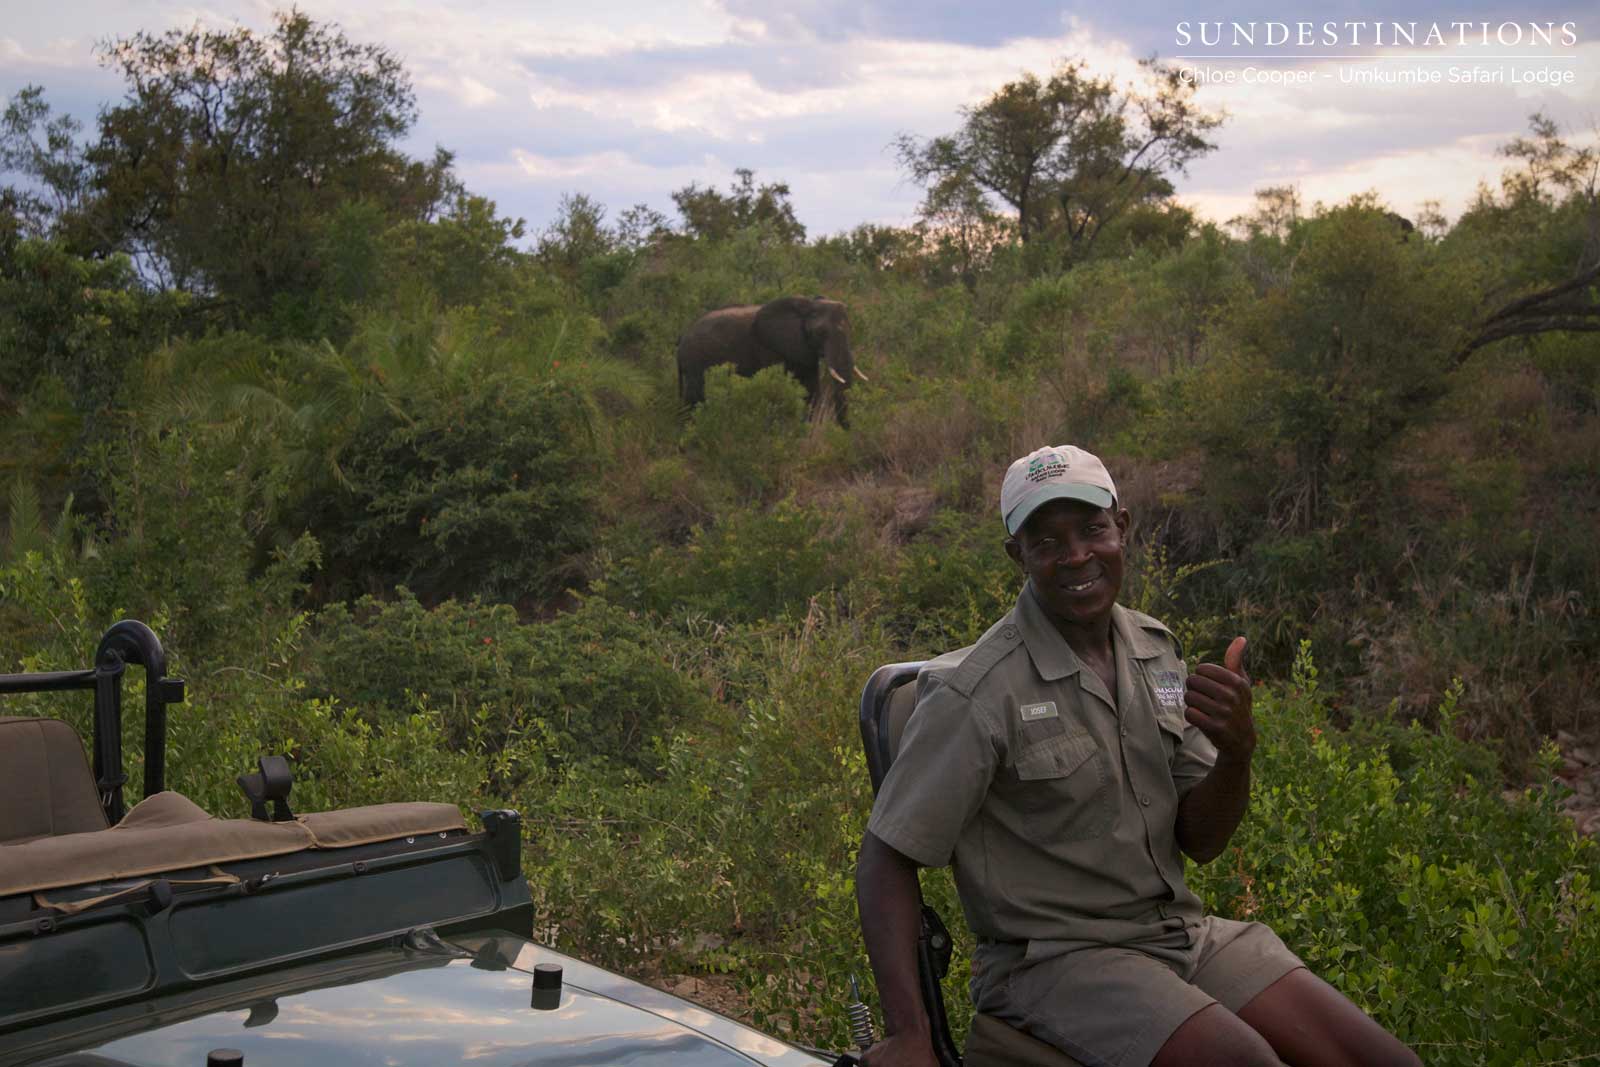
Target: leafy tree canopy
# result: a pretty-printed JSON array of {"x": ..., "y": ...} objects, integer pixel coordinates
[
  {"x": 229, "y": 154},
  {"x": 710, "y": 214},
  {"x": 1068, "y": 154}
]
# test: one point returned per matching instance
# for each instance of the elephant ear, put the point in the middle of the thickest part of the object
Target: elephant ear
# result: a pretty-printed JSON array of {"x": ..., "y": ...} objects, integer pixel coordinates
[{"x": 780, "y": 326}]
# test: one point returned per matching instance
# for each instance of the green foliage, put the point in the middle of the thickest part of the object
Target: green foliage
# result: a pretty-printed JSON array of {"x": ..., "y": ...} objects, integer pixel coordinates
[
  {"x": 232, "y": 150},
  {"x": 739, "y": 859},
  {"x": 1065, "y": 153},
  {"x": 746, "y": 206},
  {"x": 475, "y": 486},
  {"x": 750, "y": 565},
  {"x": 1328, "y": 368},
  {"x": 44, "y": 150},
  {"x": 595, "y": 682},
  {"x": 1459, "y": 918},
  {"x": 79, "y": 320},
  {"x": 242, "y": 701},
  {"x": 177, "y": 546},
  {"x": 746, "y": 433},
  {"x": 952, "y": 583}
]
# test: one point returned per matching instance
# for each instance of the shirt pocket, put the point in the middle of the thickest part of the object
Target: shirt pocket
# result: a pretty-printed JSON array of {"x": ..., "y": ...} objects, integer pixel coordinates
[{"x": 1061, "y": 788}]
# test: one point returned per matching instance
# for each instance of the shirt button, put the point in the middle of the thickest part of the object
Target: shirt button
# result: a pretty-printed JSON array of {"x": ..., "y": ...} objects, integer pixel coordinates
[
  {"x": 1124, "y": 731},
  {"x": 1145, "y": 800},
  {"x": 1009, "y": 632}
]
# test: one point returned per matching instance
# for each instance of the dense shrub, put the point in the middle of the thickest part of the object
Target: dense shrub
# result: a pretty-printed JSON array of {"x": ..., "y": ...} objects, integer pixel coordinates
[
  {"x": 747, "y": 431},
  {"x": 474, "y": 486},
  {"x": 596, "y": 682},
  {"x": 752, "y": 564},
  {"x": 176, "y": 543},
  {"x": 1465, "y": 921},
  {"x": 241, "y": 703},
  {"x": 951, "y": 583},
  {"x": 740, "y": 859}
]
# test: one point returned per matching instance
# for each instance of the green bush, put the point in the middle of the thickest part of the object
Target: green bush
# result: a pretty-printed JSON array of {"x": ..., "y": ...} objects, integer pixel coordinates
[
  {"x": 740, "y": 859},
  {"x": 753, "y": 564},
  {"x": 1464, "y": 921},
  {"x": 238, "y": 706},
  {"x": 746, "y": 433},
  {"x": 177, "y": 544},
  {"x": 951, "y": 583},
  {"x": 468, "y": 486},
  {"x": 593, "y": 683}
]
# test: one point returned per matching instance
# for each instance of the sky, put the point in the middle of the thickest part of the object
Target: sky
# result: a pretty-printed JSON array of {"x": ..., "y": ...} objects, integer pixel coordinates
[{"x": 628, "y": 100}]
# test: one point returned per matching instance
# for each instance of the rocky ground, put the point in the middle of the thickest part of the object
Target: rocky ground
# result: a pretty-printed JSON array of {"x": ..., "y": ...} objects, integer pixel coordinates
[{"x": 1580, "y": 770}]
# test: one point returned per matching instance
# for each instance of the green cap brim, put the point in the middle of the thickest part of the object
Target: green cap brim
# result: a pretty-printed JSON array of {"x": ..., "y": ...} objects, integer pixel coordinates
[{"x": 1089, "y": 494}]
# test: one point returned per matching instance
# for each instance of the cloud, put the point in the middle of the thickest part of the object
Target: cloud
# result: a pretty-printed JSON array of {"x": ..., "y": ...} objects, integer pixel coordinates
[
  {"x": 467, "y": 90},
  {"x": 630, "y": 99}
]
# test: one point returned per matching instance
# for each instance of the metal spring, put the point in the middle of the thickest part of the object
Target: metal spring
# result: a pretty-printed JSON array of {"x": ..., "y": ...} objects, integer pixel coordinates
[{"x": 860, "y": 1017}]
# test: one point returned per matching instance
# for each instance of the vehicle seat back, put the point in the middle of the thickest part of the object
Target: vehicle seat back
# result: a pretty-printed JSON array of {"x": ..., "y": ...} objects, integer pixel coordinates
[{"x": 46, "y": 787}]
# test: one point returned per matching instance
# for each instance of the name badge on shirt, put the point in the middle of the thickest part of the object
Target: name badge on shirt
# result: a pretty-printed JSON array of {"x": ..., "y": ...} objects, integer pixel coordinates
[
  {"x": 1035, "y": 712},
  {"x": 1169, "y": 688}
]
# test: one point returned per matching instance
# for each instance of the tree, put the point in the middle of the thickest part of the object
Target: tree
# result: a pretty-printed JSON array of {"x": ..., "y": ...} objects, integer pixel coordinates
[
  {"x": 1069, "y": 154},
  {"x": 1556, "y": 190},
  {"x": 44, "y": 151},
  {"x": 232, "y": 150},
  {"x": 710, "y": 214},
  {"x": 1316, "y": 378},
  {"x": 579, "y": 233},
  {"x": 959, "y": 227}
]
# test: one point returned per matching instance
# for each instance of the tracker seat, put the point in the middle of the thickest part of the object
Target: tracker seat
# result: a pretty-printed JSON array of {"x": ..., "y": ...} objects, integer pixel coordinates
[
  {"x": 886, "y": 705},
  {"x": 46, "y": 787}
]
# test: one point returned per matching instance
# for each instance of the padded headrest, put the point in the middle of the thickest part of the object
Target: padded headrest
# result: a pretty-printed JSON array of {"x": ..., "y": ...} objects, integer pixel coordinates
[
  {"x": 902, "y": 701},
  {"x": 46, "y": 787}
]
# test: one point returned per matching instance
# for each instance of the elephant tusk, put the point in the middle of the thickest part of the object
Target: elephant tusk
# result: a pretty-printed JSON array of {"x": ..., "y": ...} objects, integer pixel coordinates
[
  {"x": 836, "y": 377},
  {"x": 860, "y": 375}
]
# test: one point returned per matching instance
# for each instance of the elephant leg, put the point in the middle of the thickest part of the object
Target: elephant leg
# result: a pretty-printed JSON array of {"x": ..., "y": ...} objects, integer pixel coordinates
[
  {"x": 808, "y": 378},
  {"x": 692, "y": 384}
]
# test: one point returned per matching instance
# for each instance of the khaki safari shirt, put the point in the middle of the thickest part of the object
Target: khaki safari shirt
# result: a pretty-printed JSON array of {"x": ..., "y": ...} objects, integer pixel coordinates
[{"x": 1056, "y": 805}]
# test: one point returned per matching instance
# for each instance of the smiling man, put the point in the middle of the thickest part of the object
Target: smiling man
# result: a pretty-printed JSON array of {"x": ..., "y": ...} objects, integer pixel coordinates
[{"x": 1064, "y": 765}]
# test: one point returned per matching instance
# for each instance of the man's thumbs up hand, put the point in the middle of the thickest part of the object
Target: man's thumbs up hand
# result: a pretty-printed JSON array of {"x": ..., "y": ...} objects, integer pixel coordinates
[
  {"x": 1218, "y": 703},
  {"x": 1233, "y": 659}
]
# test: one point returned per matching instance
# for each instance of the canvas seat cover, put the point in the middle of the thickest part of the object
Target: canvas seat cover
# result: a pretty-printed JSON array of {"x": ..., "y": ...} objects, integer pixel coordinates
[
  {"x": 46, "y": 786},
  {"x": 169, "y": 832}
]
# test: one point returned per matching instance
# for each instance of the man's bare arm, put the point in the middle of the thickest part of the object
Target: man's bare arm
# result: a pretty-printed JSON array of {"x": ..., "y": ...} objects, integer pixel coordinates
[
  {"x": 1218, "y": 702},
  {"x": 891, "y": 920},
  {"x": 1211, "y": 811}
]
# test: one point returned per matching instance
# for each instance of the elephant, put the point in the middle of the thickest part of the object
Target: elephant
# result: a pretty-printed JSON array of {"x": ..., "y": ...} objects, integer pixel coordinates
[{"x": 807, "y": 335}]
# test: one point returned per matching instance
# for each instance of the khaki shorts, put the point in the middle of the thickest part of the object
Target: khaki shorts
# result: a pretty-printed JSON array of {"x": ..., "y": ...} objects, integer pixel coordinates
[{"x": 1116, "y": 1005}]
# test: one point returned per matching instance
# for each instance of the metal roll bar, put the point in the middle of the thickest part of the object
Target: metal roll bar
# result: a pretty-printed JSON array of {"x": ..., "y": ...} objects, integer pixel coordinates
[{"x": 128, "y": 641}]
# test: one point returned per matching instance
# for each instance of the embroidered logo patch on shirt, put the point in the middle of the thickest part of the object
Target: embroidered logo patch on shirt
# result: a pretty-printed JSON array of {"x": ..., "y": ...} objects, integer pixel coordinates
[
  {"x": 1169, "y": 688},
  {"x": 1035, "y": 712}
]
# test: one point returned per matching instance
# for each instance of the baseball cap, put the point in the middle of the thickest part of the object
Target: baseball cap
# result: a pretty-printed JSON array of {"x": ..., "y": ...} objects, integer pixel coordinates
[{"x": 1054, "y": 472}]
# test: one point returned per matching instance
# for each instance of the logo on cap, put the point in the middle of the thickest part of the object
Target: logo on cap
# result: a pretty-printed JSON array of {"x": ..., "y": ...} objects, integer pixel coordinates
[{"x": 1042, "y": 468}]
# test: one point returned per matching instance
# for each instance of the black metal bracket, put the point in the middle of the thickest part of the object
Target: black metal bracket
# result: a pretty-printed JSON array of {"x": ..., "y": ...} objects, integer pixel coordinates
[
  {"x": 272, "y": 782},
  {"x": 504, "y": 827}
]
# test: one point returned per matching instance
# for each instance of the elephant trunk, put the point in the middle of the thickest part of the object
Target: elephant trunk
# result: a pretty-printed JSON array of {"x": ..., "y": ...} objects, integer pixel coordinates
[{"x": 836, "y": 356}]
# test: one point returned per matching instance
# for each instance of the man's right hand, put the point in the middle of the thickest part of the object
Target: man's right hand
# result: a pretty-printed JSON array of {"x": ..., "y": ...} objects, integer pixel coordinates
[
  {"x": 891, "y": 917},
  {"x": 901, "y": 1050}
]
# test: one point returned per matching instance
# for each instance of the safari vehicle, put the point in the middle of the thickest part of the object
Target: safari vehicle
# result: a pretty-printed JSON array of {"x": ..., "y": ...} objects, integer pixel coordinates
[{"x": 390, "y": 934}]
